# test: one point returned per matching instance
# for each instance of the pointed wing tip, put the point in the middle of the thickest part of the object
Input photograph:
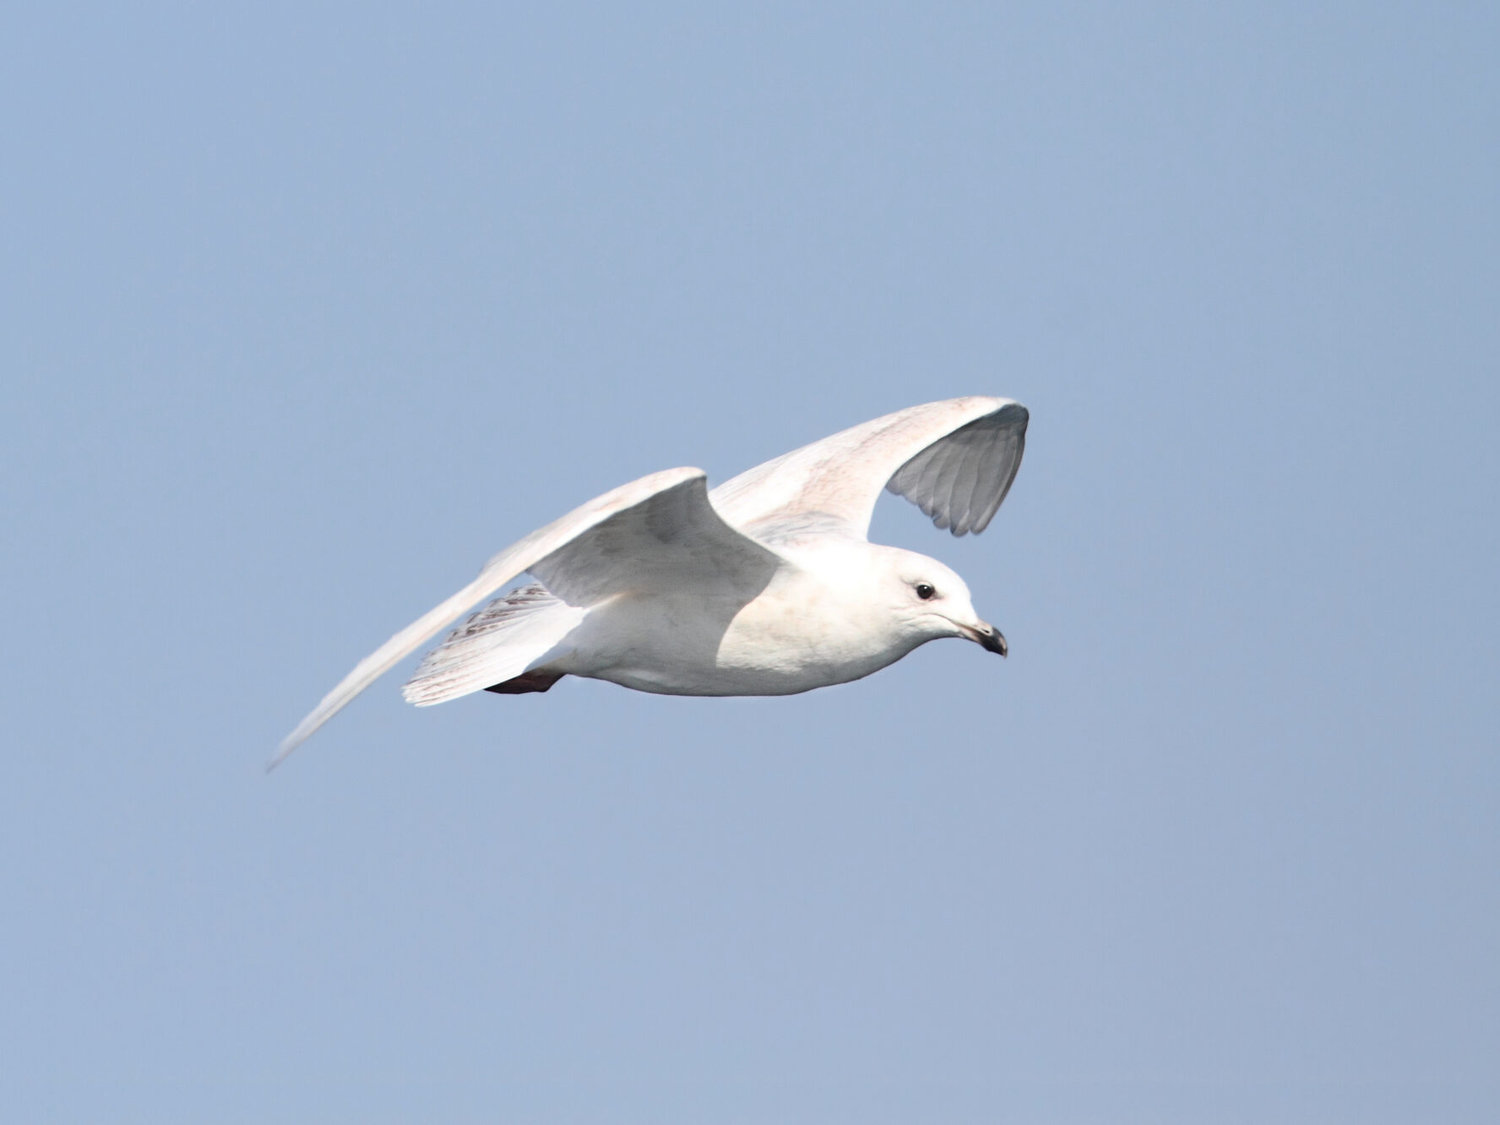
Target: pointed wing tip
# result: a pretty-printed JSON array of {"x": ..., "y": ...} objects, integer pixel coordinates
[
  {"x": 425, "y": 693},
  {"x": 288, "y": 744},
  {"x": 1012, "y": 412},
  {"x": 280, "y": 756},
  {"x": 300, "y": 734},
  {"x": 661, "y": 480},
  {"x": 999, "y": 405}
]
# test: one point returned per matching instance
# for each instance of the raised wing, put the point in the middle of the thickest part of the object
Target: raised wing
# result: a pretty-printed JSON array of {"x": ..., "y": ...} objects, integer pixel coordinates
[
  {"x": 656, "y": 533},
  {"x": 955, "y": 460}
]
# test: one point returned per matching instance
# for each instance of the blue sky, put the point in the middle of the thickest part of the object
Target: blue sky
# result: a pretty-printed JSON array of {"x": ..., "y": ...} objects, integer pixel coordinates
[{"x": 310, "y": 309}]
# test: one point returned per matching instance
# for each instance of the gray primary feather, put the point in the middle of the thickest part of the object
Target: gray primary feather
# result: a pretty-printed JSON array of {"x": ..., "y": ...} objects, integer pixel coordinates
[
  {"x": 955, "y": 460},
  {"x": 961, "y": 479}
]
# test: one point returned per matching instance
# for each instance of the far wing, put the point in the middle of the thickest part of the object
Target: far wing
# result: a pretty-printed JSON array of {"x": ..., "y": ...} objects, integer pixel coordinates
[
  {"x": 657, "y": 533},
  {"x": 955, "y": 460}
]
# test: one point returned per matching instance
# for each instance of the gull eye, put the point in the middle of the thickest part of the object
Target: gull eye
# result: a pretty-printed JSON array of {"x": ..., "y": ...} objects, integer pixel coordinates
[{"x": 925, "y": 591}]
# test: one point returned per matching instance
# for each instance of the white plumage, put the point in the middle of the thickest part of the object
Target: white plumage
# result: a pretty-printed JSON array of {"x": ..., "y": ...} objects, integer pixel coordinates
[{"x": 765, "y": 586}]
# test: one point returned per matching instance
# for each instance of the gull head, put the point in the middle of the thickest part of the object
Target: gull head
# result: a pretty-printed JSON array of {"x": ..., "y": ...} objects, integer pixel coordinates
[{"x": 931, "y": 601}]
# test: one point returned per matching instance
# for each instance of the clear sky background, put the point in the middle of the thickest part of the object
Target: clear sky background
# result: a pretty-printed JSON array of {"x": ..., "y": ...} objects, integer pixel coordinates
[{"x": 307, "y": 309}]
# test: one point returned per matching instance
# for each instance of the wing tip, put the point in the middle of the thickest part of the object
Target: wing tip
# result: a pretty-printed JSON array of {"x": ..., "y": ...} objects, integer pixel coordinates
[
  {"x": 288, "y": 744},
  {"x": 430, "y": 690}
]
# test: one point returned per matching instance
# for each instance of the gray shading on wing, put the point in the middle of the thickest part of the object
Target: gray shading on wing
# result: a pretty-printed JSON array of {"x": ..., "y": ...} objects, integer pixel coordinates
[
  {"x": 954, "y": 459},
  {"x": 961, "y": 480},
  {"x": 675, "y": 542},
  {"x": 656, "y": 533}
]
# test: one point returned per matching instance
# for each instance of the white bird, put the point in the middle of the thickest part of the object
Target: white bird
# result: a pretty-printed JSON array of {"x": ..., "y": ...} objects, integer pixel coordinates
[{"x": 765, "y": 586}]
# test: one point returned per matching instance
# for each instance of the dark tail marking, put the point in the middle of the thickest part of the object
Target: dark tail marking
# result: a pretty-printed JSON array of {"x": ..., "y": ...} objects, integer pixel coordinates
[{"x": 526, "y": 682}]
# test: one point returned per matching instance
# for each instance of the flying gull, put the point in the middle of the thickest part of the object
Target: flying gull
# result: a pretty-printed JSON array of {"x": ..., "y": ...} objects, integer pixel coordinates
[{"x": 766, "y": 585}]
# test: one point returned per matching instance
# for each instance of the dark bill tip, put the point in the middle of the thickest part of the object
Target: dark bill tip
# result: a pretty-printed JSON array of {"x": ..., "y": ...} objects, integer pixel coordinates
[{"x": 990, "y": 638}]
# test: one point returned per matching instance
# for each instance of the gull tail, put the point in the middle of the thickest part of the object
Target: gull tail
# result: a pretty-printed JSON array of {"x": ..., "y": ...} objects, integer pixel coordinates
[{"x": 497, "y": 643}]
